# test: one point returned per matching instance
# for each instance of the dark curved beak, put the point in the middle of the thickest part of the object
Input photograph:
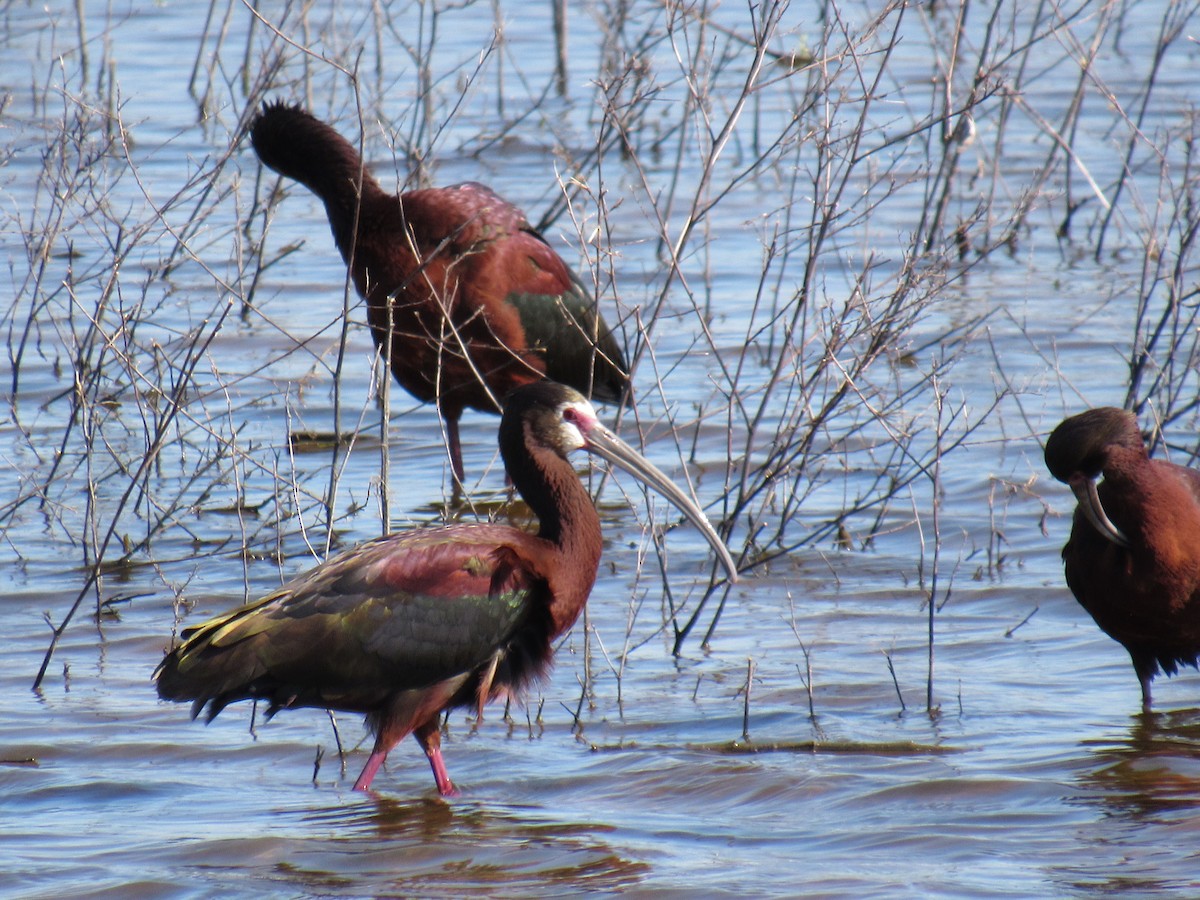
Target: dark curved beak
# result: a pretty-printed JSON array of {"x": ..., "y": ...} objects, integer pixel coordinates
[
  {"x": 605, "y": 444},
  {"x": 1084, "y": 489}
]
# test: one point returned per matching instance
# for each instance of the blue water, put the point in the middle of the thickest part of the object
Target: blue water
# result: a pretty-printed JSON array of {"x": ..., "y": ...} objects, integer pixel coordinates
[{"x": 1035, "y": 774}]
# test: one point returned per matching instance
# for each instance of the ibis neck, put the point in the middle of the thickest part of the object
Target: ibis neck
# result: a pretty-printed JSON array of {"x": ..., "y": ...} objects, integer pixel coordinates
[
  {"x": 306, "y": 149},
  {"x": 350, "y": 193},
  {"x": 567, "y": 518},
  {"x": 566, "y": 514}
]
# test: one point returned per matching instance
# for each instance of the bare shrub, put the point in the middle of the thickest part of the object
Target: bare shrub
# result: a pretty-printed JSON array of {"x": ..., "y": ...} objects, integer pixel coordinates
[{"x": 858, "y": 159}]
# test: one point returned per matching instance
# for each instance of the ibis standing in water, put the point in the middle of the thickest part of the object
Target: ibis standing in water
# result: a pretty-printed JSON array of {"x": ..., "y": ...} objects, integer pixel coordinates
[
  {"x": 409, "y": 625},
  {"x": 464, "y": 299},
  {"x": 1133, "y": 558}
]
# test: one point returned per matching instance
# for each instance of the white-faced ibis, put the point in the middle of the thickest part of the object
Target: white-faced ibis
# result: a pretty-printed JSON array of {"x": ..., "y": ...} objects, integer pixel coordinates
[
  {"x": 475, "y": 301},
  {"x": 1133, "y": 558},
  {"x": 408, "y": 625}
]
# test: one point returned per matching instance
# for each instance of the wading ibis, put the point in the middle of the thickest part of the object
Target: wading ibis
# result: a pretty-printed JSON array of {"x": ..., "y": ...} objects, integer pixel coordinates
[
  {"x": 475, "y": 302},
  {"x": 1133, "y": 557},
  {"x": 406, "y": 626}
]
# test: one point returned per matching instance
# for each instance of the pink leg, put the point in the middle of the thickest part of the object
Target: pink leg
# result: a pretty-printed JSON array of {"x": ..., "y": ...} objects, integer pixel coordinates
[
  {"x": 455, "y": 448},
  {"x": 1147, "y": 702},
  {"x": 384, "y": 742},
  {"x": 430, "y": 739},
  {"x": 374, "y": 761}
]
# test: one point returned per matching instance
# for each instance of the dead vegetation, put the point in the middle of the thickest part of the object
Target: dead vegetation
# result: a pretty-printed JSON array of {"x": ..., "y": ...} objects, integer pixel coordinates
[{"x": 783, "y": 206}]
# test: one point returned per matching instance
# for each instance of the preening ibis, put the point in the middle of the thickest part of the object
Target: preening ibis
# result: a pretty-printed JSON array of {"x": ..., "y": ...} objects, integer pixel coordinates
[
  {"x": 475, "y": 301},
  {"x": 1133, "y": 558},
  {"x": 408, "y": 625}
]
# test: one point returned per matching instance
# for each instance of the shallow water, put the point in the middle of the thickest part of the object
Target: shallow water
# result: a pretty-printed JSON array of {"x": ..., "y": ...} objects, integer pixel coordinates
[{"x": 1036, "y": 775}]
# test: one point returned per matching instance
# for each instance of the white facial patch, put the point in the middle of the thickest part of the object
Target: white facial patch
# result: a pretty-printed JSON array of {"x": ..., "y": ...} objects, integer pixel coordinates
[{"x": 577, "y": 418}]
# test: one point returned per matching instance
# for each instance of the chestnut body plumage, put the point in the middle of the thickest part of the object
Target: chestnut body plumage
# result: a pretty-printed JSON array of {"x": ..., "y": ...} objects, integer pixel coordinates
[
  {"x": 464, "y": 299},
  {"x": 1133, "y": 558},
  {"x": 406, "y": 626}
]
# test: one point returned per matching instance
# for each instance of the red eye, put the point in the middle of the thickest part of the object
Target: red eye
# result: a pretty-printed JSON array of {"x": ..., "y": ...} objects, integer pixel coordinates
[{"x": 582, "y": 420}]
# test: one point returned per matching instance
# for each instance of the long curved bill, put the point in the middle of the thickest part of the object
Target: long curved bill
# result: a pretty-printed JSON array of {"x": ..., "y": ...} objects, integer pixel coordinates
[
  {"x": 605, "y": 444},
  {"x": 1085, "y": 493}
]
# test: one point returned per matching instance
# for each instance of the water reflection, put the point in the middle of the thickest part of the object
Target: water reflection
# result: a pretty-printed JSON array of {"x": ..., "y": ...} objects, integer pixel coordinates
[
  {"x": 1148, "y": 790},
  {"x": 430, "y": 846},
  {"x": 383, "y": 817},
  {"x": 1156, "y": 770}
]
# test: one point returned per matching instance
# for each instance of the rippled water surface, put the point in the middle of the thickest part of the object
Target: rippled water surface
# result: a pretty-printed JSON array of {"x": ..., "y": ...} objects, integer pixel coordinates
[{"x": 1035, "y": 775}]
